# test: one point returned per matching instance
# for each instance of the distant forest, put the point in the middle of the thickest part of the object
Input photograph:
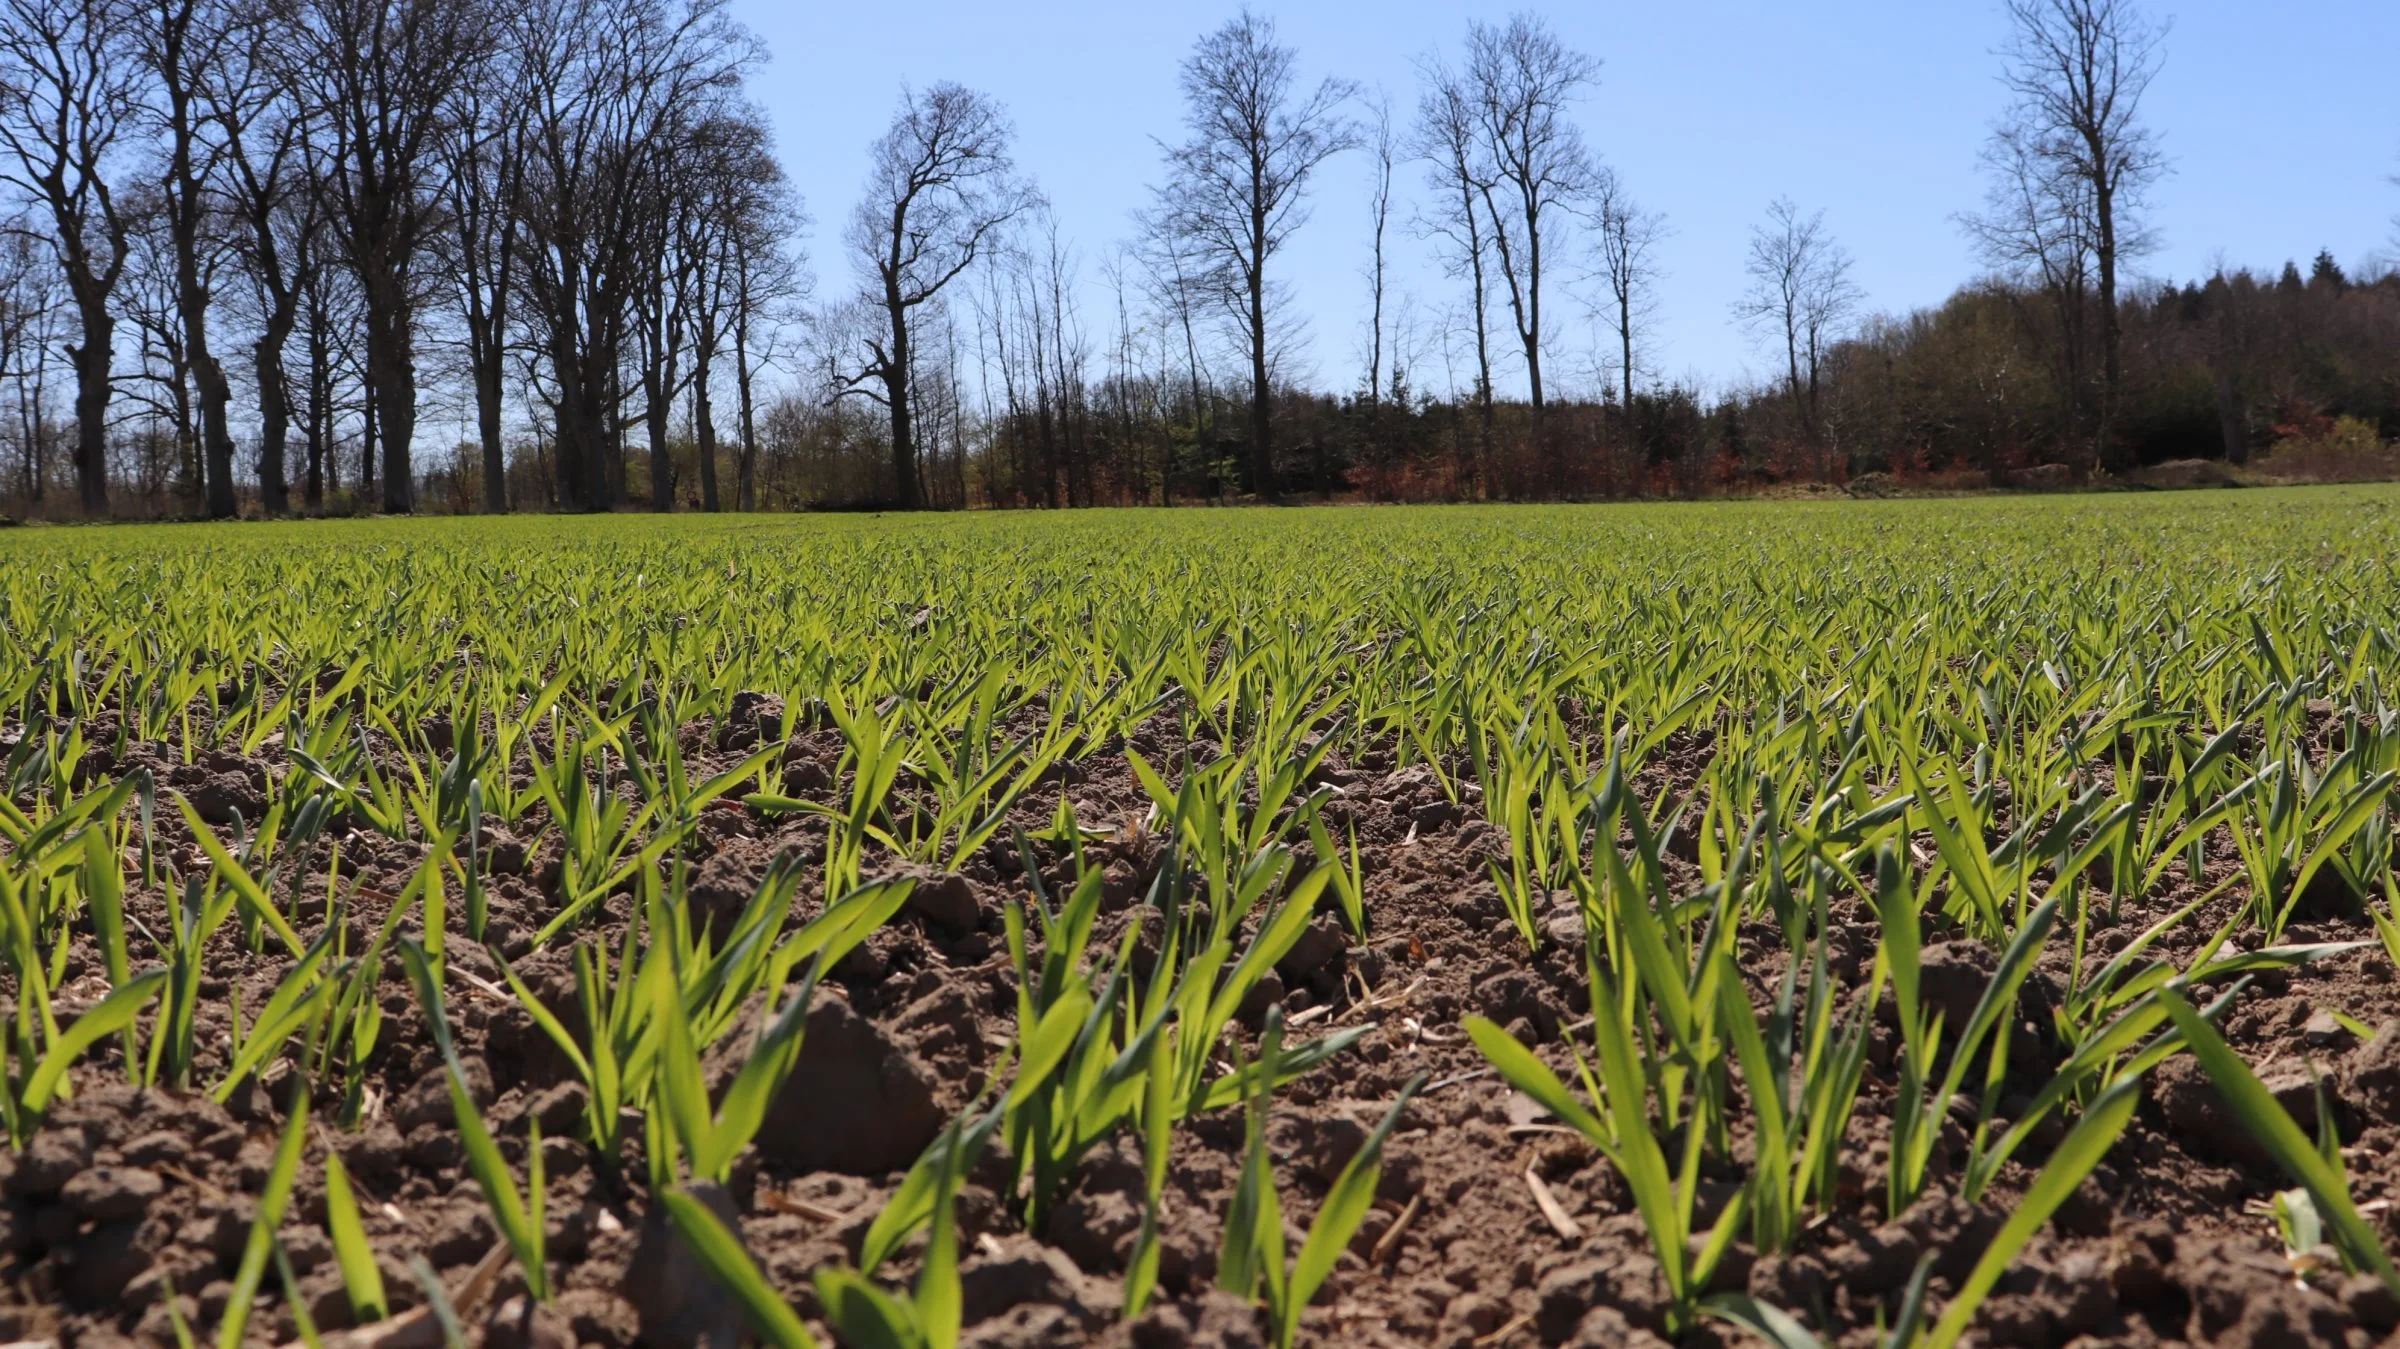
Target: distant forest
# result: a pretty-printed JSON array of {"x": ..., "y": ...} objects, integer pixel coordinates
[{"x": 272, "y": 256}]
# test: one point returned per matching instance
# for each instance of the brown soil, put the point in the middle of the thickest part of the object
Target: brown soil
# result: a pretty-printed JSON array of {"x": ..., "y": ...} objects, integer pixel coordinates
[{"x": 126, "y": 1195}]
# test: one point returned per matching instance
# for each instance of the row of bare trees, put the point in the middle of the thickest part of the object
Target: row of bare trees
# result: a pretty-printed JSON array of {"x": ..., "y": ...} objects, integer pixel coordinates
[
  {"x": 562, "y": 224},
  {"x": 566, "y": 203},
  {"x": 1190, "y": 388},
  {"x": 1183, "y": 388}
]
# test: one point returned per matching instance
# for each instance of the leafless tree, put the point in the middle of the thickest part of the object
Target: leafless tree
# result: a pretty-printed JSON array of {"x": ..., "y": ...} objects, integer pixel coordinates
[
  {"x": 481, "y": 145},
  {"x": 1043, "y": 435},
  {"x": 1383, "y": 150},
  {"x": 1445, "y": 140},
  {"x": 383, "y": 74},
  {"x": 1169, "y": 266},
  {"x": 326, "y": 308},
  {"x": 765, "y": 279},
  {"x": 941, "y": 187},
  {"x": 663, "y": 309},
  {"x": 2038, "y": 229},
  {"x": 1800, "y": 292},
  {"x": 67, "y": 97},
  {"x": 156, "y": 396},
  {"x": 615, "y": 91},
  {"x": 1521, "y": 82},
  {"x": 1624, "y": 235},
  {"x": 1237, "y": 186},
  {"x": 2079, "y": 69},
  {"x": 30, "y": 311},
  {"x": 262, "y": 142},
  {"x": 197, "y": 56},
  {"x": 736, "y": 190}
]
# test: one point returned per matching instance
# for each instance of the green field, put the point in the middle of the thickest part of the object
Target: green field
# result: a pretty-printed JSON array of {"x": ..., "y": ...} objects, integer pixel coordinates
[
  {"x": 1420, "y": 622},
  {"x": 2132, "y": 742}
]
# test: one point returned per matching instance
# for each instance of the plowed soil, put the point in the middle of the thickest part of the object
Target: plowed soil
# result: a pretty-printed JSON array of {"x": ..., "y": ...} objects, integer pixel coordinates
[{"x": 129, "y": 1197}]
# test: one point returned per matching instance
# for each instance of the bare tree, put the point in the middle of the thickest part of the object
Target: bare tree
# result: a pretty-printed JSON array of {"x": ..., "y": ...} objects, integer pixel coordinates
[
  {"x": 662, "y": 309},
  {"x": 29, "y": 315},
  {"x": 384, "y": 72},
  {"x": 66, "y": 97},
  {"x": 262, "y": 139},
  {"x": 615, "y": 88},
  {"x": 1169, "y": 266},
  {"x": 940, "y": 188},
  {"x": 1800, "y": 291},
  {"x": 1521, "y": 81},
  {"x": 481, "y": 144},
  {"x": 319, "y": 317},
  {"x": 1383, "y": 150},
  {"x": 2079, "y": 69},
  {"x": 1624, "y": 235},
  {"x": 197, "y": 56},
  {"x": 736, "y": 189},
  {"x": 156, "y": 396},
  {"x": 2038, "y": 229},
  {"x": 1237, "y": 186},
  {"x": 763, "y": 277},
  {"x": 1445, "y": 139}
]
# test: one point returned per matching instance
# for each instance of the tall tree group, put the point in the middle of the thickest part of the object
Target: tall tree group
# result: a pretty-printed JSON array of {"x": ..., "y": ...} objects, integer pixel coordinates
[
  {"x": 568, "y": 202},
  {"x": 511, "y": 254}
]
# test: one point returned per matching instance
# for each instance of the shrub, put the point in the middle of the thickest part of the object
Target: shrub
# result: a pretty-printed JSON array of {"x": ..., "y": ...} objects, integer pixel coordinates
[{"x": 2348, "y": 450}]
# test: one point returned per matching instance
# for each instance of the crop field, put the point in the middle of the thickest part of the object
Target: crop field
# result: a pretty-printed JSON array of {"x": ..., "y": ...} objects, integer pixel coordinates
[{"x": 1894, "y": 923}]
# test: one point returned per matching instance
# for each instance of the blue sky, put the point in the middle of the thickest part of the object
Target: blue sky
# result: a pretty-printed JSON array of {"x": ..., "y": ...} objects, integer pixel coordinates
[{"x": 2282, "y": 129}]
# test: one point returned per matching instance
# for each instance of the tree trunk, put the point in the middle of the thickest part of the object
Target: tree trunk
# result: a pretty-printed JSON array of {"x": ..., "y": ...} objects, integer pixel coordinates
[
  {"x": 29, "y": 449},
  {"x": 274, "y": 418},
  {"x": 894, "y": 370},
  {"x": 1262, "y": 445},
  {"x": 608, "y": 417},
  {"x": 487, "y": 425},
  {"x": 391, "y": 366},
  {"x": 1485, "y": 414},
  {"x": 1545, "y": 445},
  {"x": 582, "y": 434},
  {"x": 1625, "y": 351},
  {"x": 704, "y": 426},
  {"x": 2105, "y": 209},
  {"x": 2231, "y": 420},
  {"x": 320, "y": 401},
  {"x": 488, "y": 354},
  {"x": 1791, "y": 356},
  {"x": 368, "y": 420},
  {"x": 747, "y": 493},
  {"x": 92, "y": 361},
  {"x": 659, "y": 379},
  {"x": 208, "y": 376}
]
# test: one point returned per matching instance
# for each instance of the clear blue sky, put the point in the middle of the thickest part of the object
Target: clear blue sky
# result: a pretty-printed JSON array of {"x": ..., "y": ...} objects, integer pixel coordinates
[{"x": 2280, "y": 121}]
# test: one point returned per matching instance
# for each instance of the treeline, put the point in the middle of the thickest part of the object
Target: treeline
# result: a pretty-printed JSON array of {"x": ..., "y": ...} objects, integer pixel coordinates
[
  {"x": 1981, "y": 390},
  {"x": 2230, "y": 367},
  {"x": 321, "y": 255},
  {"x": 337, "y": 221}
]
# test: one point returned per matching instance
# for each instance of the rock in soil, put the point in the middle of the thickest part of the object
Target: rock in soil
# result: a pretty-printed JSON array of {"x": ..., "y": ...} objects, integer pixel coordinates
[
  {"x": 2374, "y": 1076},
  {"x": 946, "y": 900},
  {"x": 682, "y": 1305},
  {"x": 107, "y": 1193},
  {"x": 856, "y": 1102},
  {"x": 54, "y": 1157},
  {"x": 522, "y": 1323}
]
